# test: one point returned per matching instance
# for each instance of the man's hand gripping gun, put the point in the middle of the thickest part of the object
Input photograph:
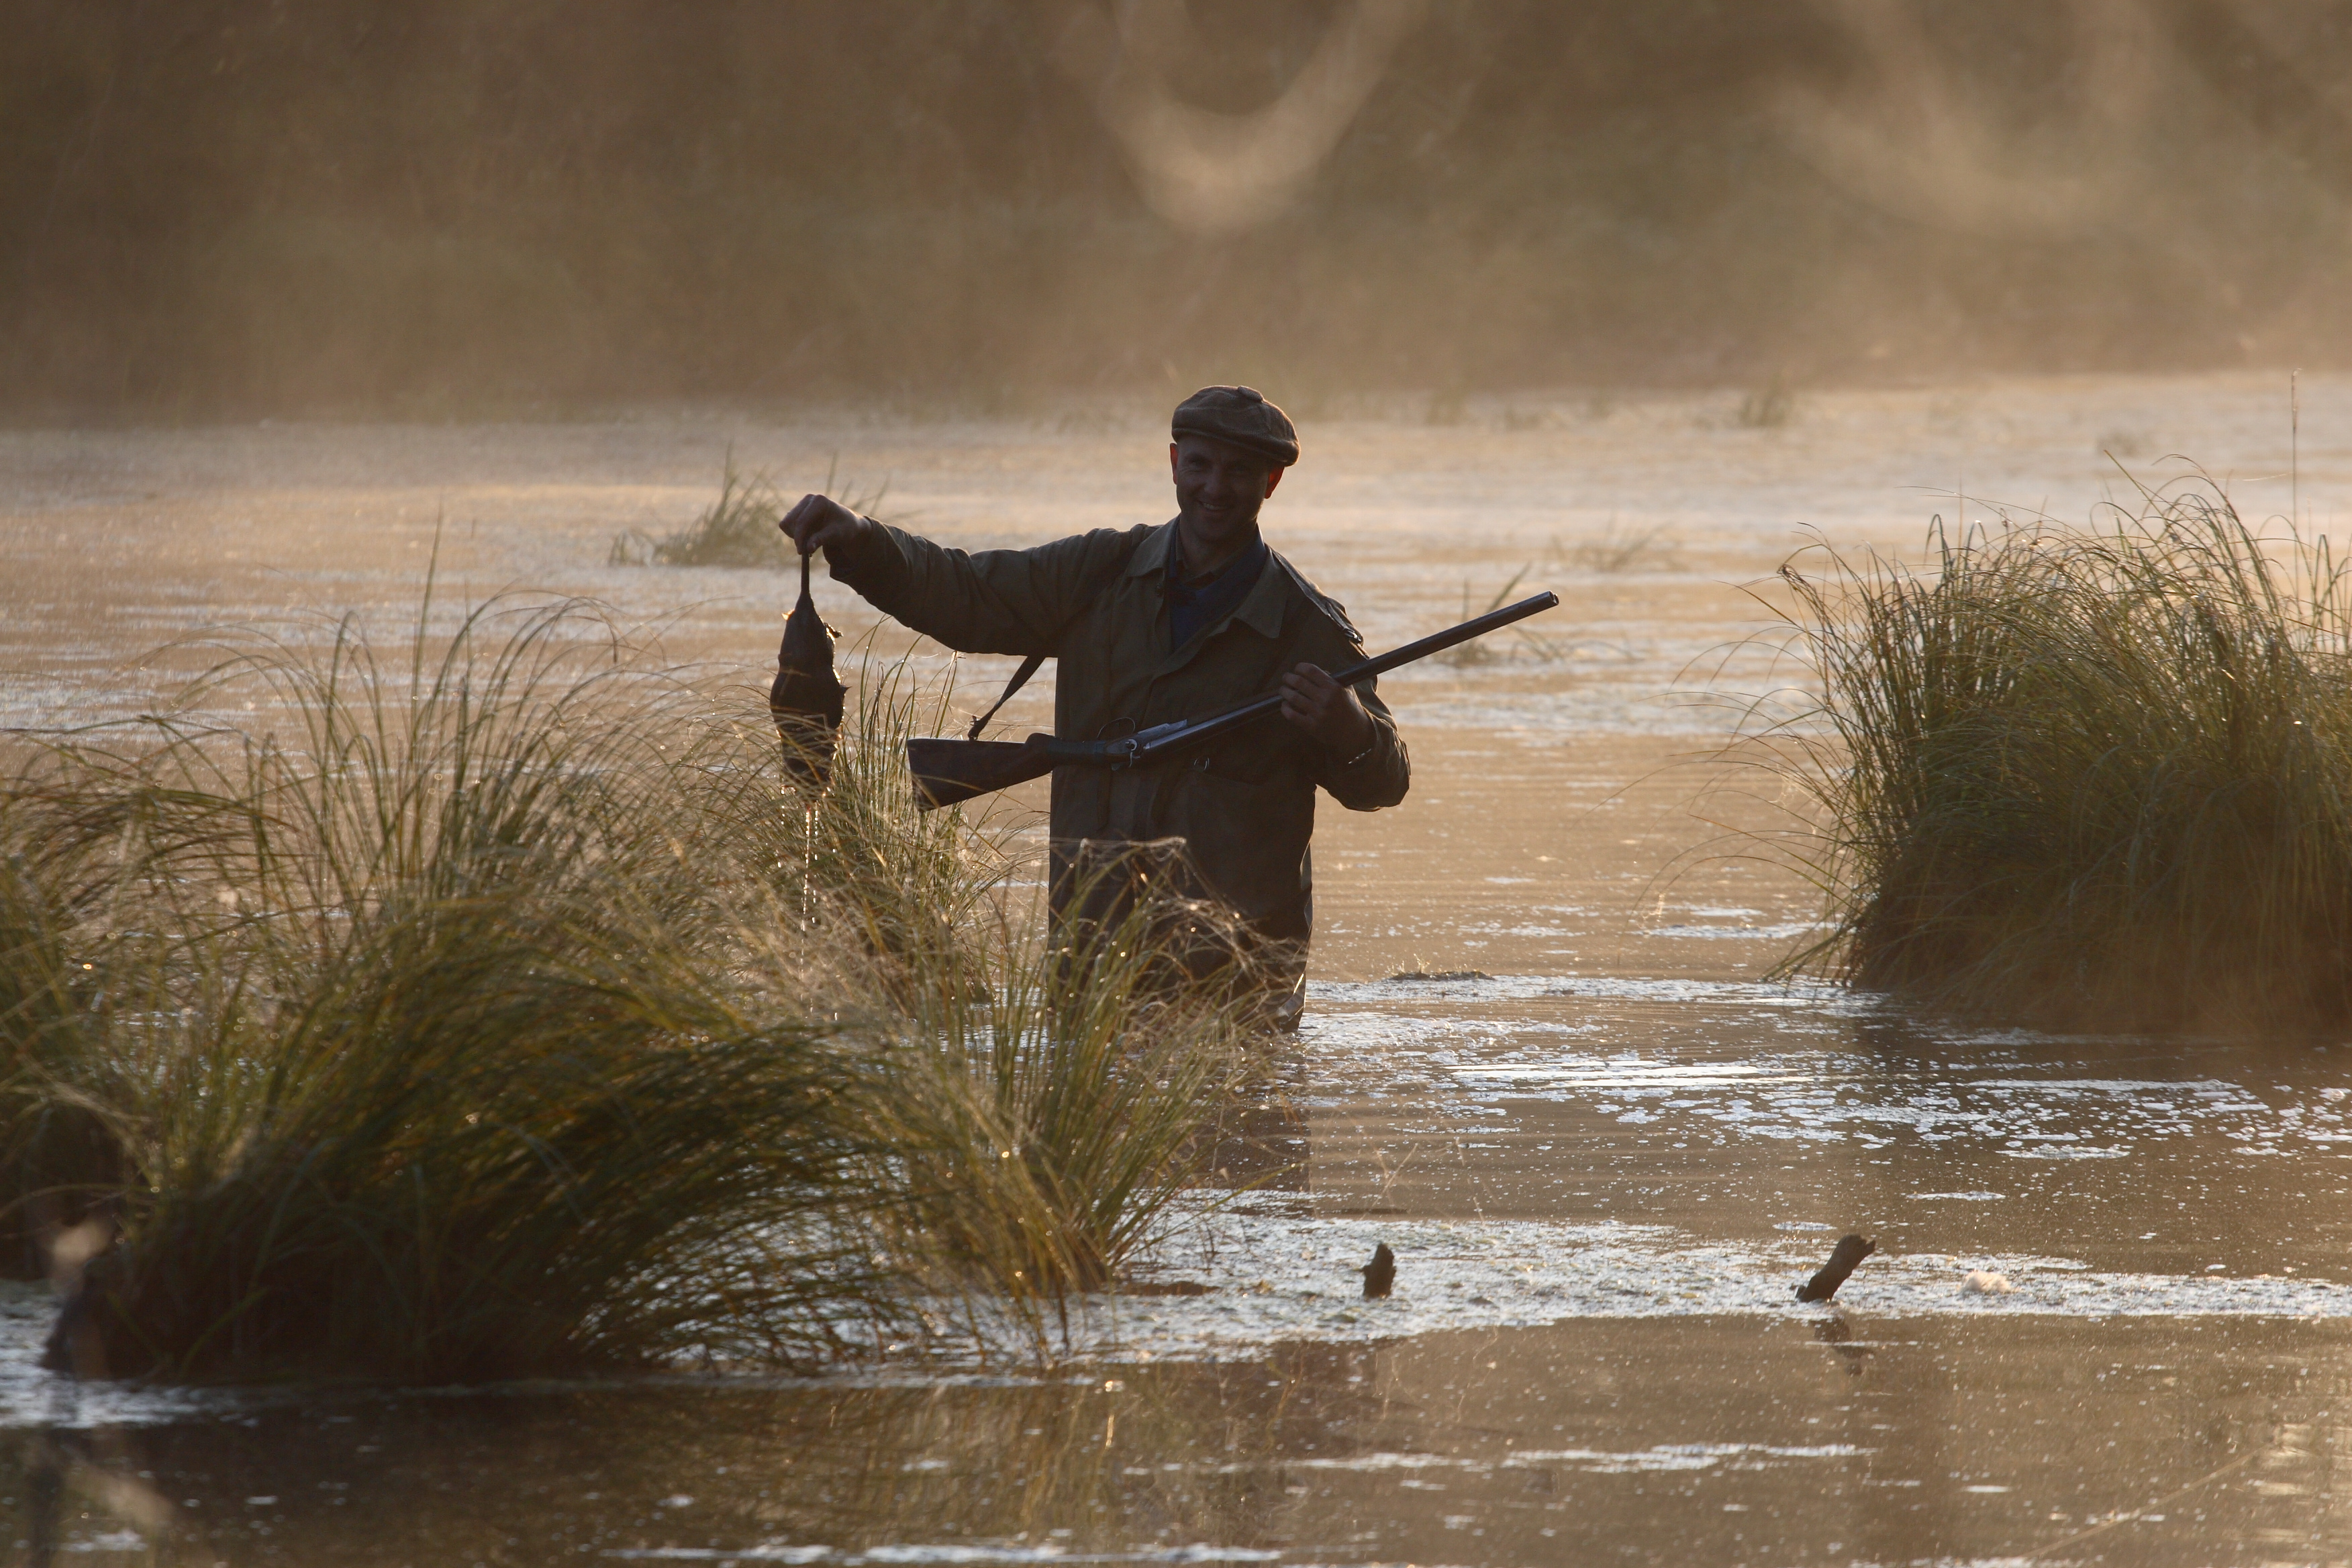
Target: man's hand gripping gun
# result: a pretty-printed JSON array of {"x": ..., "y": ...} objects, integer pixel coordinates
[{"x": 950, "y": 770}]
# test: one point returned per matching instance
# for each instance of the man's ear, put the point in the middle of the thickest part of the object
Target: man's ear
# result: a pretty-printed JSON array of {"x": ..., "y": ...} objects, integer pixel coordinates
[
  {"x": 1171, "y": 460},
  {"x": 1273, "y": 479}
]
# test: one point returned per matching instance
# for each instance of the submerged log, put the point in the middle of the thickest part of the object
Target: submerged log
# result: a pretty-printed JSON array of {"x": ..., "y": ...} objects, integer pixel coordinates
[{"x": 806, "y": 699}]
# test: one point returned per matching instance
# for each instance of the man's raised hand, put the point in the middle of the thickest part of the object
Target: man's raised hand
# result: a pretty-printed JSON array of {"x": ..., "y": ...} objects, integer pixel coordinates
[
  {"x": 1326, "y": 709},
  {"x": 820, "y": 523}
]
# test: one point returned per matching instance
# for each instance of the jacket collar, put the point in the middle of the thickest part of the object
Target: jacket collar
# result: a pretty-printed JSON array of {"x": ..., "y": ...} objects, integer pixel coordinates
[
  {"x": 1260, "y": 609},
  {"x": 1152, "y": 555}
]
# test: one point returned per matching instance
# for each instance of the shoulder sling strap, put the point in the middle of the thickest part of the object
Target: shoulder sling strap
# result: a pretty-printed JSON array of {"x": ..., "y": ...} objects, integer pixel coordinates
[{"x": 1103, "y": 578}]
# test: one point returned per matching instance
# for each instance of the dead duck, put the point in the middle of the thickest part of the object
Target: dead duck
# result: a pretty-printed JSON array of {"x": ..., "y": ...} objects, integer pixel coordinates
[{"x": 806, "y": 699}]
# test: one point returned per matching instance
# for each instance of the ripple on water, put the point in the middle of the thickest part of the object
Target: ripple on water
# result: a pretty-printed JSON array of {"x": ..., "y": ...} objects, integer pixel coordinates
[
  {"x": 1782, "y": 1063},
  {"x": 951, "y": 1552}
]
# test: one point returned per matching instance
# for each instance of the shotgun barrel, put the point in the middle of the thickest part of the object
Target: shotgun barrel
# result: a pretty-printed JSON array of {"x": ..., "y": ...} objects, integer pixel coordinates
[{"x": 950, "y": 770}]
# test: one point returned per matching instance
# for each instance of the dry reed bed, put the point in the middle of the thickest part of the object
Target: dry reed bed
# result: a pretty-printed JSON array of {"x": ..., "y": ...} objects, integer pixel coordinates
[
  {"x": 2095, "y": 777},
  {"x": 500, "y": 1008}
]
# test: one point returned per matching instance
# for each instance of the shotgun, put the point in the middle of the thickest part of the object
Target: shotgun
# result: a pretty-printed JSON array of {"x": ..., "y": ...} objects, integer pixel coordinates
[{"x": 950, "y": 770}]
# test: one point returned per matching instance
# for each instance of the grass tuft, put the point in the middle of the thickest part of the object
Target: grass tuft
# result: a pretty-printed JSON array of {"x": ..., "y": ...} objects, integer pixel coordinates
[
  {"x": 738, "y": 529},
  {"x": 1531, "y": 645},
  {"x": 1613, "y": 551},
  {"x": 502, "y": 1009},
  {"x": 1770, "y": 406},
  {"x": 2089, "y": 777},
  {"x": 1057, "y": 1094}
]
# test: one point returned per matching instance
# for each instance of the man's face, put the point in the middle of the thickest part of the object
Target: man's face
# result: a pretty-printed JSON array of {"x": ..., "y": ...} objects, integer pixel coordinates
[{"x": 1219, "y": 487}]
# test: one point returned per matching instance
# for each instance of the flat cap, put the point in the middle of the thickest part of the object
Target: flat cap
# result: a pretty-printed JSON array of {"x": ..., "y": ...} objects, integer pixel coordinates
[{"x": 1241, "y": 416}]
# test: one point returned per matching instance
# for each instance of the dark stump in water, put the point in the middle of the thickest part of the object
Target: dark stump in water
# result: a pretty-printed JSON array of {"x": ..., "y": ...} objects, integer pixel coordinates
[
  {"x": 58, "y": 1163},
  {"x": 806, "y": 699},
  {"x": 1380, "y": 1274},
  {"x": 93, "y": 1336},
  {"x": 1848, "y": 1254}
]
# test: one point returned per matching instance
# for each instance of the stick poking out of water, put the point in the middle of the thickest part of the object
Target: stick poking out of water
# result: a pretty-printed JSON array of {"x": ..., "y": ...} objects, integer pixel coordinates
[{"x": 1848, "y": 1255}]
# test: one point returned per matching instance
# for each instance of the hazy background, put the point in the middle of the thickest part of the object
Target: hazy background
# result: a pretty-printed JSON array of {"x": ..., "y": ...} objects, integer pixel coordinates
[{"x": 428, "y": 208}]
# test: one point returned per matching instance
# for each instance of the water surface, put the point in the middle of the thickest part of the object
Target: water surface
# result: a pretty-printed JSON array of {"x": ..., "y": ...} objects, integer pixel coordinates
[{"x": 1603, "y": 1156}]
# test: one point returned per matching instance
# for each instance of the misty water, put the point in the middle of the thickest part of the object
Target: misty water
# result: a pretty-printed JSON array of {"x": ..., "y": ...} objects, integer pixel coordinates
[{"x": 1542, "y": 1060}]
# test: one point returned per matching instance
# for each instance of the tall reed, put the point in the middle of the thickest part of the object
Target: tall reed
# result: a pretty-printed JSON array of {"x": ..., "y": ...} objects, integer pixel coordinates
[{"x": 2096, "y": 777}]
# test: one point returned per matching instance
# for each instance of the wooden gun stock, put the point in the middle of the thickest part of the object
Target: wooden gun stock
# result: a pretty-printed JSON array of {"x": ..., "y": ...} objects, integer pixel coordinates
[
  {"x": 947, "y": 772},
  {"x": 950, "y": 772}
]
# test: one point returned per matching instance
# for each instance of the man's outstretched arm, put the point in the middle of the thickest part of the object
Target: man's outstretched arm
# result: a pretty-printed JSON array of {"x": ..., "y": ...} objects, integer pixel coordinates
[{"x": 988, "y": 601}]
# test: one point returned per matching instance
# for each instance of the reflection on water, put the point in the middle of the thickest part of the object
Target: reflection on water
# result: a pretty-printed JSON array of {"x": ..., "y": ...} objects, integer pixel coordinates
[
  {"x": 1830, "y": 1440},
  {"x": 1263, "y": 1146}
]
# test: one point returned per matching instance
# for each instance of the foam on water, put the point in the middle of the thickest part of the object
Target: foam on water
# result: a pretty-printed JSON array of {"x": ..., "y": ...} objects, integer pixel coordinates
[{"x": 1286, "y": 1277}]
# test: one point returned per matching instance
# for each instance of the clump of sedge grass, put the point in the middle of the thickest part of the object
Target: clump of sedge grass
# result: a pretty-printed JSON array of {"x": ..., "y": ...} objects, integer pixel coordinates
[
  {"x": 422, "y": 1065},
  {"x": 506, "y": 1009},
  {"x": 2092, "y": 777},
  {"x": 738, "y": 529},
  {"x": 1613, "y": 551},
  {"x": 1533, "y": 644},
  {"x": 1044, "y": 1089},
  {"x": 1769, "y": 406},
  {"x": 1054, "y": 1097}
]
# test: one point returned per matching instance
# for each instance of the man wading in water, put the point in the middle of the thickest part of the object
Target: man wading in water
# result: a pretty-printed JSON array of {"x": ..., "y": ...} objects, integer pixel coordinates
[{"x": 1162, "y": 623}]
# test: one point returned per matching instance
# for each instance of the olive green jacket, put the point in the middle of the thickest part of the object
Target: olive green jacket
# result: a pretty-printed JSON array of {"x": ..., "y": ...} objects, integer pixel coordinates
[{"x": 1243, "y": 805}]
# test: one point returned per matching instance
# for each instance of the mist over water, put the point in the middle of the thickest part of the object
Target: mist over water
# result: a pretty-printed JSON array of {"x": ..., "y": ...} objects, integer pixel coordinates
[{"x": 245, "y": 208}]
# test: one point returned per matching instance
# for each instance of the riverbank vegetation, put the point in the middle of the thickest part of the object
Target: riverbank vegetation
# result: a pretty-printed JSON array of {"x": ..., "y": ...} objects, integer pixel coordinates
[
  {"x": 2095, "y": 777},
  {"x": 738, "y": 528},
  {"x": 499, "y": 1007}
]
